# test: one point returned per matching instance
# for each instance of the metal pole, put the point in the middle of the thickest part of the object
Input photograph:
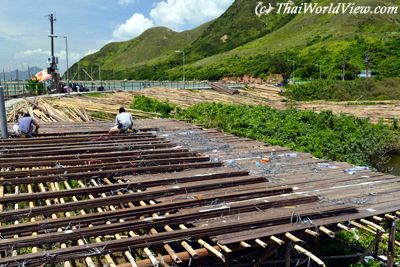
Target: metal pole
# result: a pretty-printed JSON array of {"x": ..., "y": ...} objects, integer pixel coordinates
[
  {"x": 52, "y": 37},
  {"x": 53, "y": 64},
  {"x": 114, "y": 78},
  {"x": 3, "y": 115},
  {"x": 17, "y": 77},
  {"x": 100, "y": 75},
  {"x": 183, "y": 67},
  {"x": 344, "y": 68},
  {"x": 66, "y": 51},
  {"x": 291, "y": 60},
  {"x": 320, "y": 70},
  {"x": 293, "y": 73}
]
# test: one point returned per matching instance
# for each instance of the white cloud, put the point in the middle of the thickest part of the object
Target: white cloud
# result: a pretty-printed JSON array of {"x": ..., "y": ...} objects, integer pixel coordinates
[
  {"x": 125, "y": 2},
  {"x": 33, "y": 52},
  {"x": 89, "y": 52},
  {"x": 133, "y": 27},
  {"x": 174, "y": 14},
  {"x": 72, "y": 56},
  {"x": 177, "y": 13},
  {"x": 39, "y": 52}
]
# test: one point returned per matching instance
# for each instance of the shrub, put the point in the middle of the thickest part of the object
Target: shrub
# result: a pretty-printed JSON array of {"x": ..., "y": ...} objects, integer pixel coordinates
[
  {"x": 152, "y": 105},
  {"x": 325, "y": 135},
  {"x": 35, "y": 87}
]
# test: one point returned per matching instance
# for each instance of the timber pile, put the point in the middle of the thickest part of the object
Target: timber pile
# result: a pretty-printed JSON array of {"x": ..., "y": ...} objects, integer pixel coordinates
[
  {"x": 45, "y": 112},
  {"x": 79, "y": 109},
  {"x": 223, "y": 89}
]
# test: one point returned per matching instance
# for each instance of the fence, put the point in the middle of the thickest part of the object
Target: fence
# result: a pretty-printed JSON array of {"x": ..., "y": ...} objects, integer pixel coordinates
[{"x": 18, "y": 88}]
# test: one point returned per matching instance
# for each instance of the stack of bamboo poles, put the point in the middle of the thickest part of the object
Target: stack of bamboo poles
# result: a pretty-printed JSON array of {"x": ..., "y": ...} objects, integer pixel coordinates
[
  {"x": 68, "y": 110},
  {"x": 107, "y": 105},
  {"x": 45, "y": 112}
]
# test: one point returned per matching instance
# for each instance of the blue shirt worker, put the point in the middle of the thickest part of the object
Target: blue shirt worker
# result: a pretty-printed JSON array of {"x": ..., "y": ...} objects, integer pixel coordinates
[{"x": 27, "y": 126}]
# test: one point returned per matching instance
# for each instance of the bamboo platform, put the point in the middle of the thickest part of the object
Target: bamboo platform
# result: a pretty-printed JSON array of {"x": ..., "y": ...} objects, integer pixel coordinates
[{"x": 174, "y": 194}]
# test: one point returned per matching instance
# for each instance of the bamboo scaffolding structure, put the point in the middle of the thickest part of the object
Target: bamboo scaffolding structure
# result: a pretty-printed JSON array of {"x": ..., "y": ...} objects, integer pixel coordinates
[
  {"x": 167, "y": 247},
  {"x": 81, "y": 242},
  {"x": 16, "y": 205},
  {"x": 117, "y": 236},
  {"x": 54, "y": 216},
  {"x": 147, "y": 251},
  {"x": 200, "y": 241}
]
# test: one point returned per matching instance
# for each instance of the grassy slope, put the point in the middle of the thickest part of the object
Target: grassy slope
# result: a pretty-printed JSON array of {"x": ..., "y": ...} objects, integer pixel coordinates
[
  {"x": 155, "y": 43},
  {"x": 303, "y": 30},
  {"x": 311, "y": 38},
  {"x": 239, "y": 25}
]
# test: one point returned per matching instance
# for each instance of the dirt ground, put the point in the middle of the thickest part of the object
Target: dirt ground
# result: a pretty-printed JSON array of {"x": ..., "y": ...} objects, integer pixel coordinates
[{"x": 256, "y": 95}]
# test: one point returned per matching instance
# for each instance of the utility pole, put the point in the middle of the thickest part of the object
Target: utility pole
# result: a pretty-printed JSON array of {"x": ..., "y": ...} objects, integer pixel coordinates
[
  {"x": 4, "y": 76},
  {"x": 293, "y": 70},
  {"x": 66, "y": 51},
  {"x": 3, "y": 115},
  {"x": 53, "y": 61},
  {"x": 101, "y": 84},
  {"x": 366, "y": 62},
  {"x": 320, "y": 70},
  {"x": 17, "y": 77},
  {"x": 183, "y": 67},
  {"x": 344, "y": 68},
  {"x": 29, "y": 73}
]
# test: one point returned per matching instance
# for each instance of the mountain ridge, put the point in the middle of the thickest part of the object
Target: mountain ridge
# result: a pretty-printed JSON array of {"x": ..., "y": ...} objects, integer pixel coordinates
[{"x": 228, "y": 45}]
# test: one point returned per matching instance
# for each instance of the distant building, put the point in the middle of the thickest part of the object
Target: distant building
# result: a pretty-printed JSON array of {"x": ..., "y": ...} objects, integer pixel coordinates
[{"x": 365, "y": 74}]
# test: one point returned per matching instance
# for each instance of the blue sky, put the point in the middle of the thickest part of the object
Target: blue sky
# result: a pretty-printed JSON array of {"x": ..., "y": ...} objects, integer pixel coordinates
[{"x": 89, "y": 24}]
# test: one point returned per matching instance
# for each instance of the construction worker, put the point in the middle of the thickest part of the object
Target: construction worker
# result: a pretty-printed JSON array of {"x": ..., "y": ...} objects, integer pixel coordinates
[
  {"x": 123, "y": 121},
  {"x": 27, "y": 126}
]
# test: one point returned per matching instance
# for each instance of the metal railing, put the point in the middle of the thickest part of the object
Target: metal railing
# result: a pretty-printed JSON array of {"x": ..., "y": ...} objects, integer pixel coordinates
[{"x": 19, "y": 88}]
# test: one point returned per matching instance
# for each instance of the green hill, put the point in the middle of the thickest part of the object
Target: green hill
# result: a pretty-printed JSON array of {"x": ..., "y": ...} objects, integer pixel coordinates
[
  {"x": 155, "y": 43},
  {"x": 239, "y": 43},
  {"x": 313, "y": 39},
  {"x": 237, "y": 26}
]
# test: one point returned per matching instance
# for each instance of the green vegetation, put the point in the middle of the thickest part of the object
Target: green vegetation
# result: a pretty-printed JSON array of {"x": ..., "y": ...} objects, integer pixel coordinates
[
  {"x": 340, "y": 138},
  {"x": 96, "y": 95},
  {"x": 360, "y": 89},
  {"x": 237, "y": 26},
  {"x": 35, "y": 87},
  {"x": 356, "y": 238},
  {"x": 325, "y": 135},
  {"x": 101, "y": 115},
  {"x": 119, "y": 59},
  {"x": 152, "y": 105}
]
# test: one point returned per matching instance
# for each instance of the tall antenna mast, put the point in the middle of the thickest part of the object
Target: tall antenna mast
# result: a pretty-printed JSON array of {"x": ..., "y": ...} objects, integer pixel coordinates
[{"x": 53, "y": 60}]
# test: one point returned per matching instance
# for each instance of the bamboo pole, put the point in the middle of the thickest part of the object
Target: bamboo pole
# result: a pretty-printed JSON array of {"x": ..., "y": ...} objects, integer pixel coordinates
[{"x": 310, "y": 255}]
